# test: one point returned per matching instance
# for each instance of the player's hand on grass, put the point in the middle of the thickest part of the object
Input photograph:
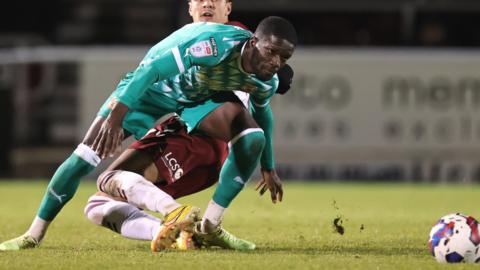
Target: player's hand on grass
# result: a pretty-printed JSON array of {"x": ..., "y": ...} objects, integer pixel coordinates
[
  {"x": 272, "y": 182},
  {"x": 108, "y": 139}
]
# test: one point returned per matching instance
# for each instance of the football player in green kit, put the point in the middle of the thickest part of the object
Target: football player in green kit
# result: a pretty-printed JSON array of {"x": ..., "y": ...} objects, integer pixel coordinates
[
  {"x": 185, "y": 68},
  {"x": 67, "y": 177},
  {"x": 250, "y": 138},
  {"x": 207, "y": 66}
]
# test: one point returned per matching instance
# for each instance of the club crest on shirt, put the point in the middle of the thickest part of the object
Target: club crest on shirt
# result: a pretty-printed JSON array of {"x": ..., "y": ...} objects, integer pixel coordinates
[{"x": 204, "y": 48}]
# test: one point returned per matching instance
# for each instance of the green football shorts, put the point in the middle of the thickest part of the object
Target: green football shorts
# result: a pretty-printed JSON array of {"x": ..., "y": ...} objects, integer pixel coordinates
[{"x": 143, "y": 115}]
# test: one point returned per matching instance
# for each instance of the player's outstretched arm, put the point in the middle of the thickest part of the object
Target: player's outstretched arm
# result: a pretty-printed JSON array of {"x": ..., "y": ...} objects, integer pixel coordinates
[
  {"x": 262, "y": 113},
  {"x": 270, "y": 180}
]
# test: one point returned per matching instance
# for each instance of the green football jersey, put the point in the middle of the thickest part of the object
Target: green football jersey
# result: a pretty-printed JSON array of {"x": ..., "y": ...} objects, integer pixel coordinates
[{"x": 193, "y": 63}]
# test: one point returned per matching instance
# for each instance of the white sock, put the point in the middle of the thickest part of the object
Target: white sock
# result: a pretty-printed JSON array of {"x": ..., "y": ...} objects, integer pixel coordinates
[
  {"x": 213, "y": 217},
  {"x": 122, "y": 218},
  {"x": 141, "y": 226},
  {"x": 38, "y": 228},
  {"x": 141, "y": 193}
]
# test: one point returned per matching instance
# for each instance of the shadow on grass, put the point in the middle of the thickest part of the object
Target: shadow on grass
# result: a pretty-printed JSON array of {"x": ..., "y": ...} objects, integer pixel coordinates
[
  {"x": 347, "y": 250},
  {"x": 314, "y": 251}
]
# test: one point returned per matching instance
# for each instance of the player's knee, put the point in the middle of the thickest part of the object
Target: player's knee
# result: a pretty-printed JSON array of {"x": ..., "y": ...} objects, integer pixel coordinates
[
  {"x": 253, "y": 142},
  {"x": 129, "y": 179},
  {"x": 104, "y": 181},
  {"x": 119, "y": 183},
  {"x": 258, "y": 142}
]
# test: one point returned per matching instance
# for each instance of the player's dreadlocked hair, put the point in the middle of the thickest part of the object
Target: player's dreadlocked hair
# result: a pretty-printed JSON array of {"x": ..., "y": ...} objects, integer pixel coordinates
[{"x": 278, "y": 27}]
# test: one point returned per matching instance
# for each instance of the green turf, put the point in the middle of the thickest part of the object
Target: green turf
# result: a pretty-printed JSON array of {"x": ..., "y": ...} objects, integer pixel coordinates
[{"x": 295, "y": 234}]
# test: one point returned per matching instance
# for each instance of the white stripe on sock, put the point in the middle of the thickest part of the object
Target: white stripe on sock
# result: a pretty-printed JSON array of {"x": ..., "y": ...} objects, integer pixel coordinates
[
  {"x": 86, "y": 153},
  {"x": 243, "y": 133}
]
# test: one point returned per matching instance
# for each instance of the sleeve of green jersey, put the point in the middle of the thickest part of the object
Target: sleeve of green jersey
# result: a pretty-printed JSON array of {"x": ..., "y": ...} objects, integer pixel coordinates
[
  {"x": 145, "y": 75},
  {"x": 203, "y": 49},
  {"x": 262, "y": 113},
  {"x": 171, "y": 62},
  {"x": 264, "y": 118},
  {"x": 206, "y": 49}
]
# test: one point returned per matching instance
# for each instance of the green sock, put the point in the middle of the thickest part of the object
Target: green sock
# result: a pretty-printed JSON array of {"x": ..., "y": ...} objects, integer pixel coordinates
[
  {"x": 242, "y": 160},
  {"x": 63, "y": 186}
]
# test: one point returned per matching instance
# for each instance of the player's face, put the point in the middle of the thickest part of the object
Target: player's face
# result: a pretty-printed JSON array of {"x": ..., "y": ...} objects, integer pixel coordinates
[
  {"x": 269, "y": 55},
  {"x": 210, "y": 10}
]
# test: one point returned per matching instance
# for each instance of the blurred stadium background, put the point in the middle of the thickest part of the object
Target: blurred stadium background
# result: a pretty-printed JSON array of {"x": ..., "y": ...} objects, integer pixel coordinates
[{"x": 384, "y": 89}]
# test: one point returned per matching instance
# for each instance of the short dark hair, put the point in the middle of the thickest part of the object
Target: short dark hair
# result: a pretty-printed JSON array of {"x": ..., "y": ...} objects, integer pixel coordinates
[{"x": 278, "y": 27}]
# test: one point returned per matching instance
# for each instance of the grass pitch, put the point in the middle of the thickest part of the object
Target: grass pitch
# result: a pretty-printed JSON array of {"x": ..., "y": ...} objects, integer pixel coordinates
[{"x": 386, "y": 227}]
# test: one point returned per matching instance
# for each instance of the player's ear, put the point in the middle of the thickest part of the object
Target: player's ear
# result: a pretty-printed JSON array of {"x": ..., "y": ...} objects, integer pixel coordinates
[
  {"x": 229, "y": 7},
  {"x": 190, "y": 8},
  {"x": 253, "y": 41}
]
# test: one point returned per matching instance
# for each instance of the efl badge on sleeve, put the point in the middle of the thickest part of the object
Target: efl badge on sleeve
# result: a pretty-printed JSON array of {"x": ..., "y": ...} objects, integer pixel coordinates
[
  {"x": 204, "y": 48},
  {"x": 201, "y": 49}
]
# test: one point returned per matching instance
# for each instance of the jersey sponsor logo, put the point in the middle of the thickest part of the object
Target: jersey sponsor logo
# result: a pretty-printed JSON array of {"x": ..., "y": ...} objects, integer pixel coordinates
[
  {"x": 176, "y": 170},
  {"x": 204, "y": 48}
]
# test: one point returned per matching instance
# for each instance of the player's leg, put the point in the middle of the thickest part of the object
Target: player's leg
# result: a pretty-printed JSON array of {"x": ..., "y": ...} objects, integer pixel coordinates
[
  {"x": 83, "y": 160},
  {"x": 121, "y": 217},
  {"x": 231, "y": 122},
  {"x": 190, "y": 164},
  {"x": 224, "y": 117},
  {"x": 195, "y": 181},
  {"x": 65, "y": 181},
  {"x": 133, "y": 223},
  {"x": 125, "y": 178},
  {"x": 131, "y": 177},
  {"x": 60, "y": 190}
]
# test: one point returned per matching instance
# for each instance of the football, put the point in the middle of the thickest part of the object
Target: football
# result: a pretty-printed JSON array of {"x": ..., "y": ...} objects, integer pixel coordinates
[{"x": 455, "y": 238}]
